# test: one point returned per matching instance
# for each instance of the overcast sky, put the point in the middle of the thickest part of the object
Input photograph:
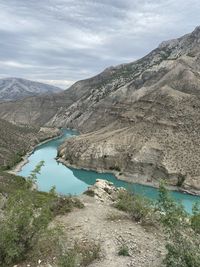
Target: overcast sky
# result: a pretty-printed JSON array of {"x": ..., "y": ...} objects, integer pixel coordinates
[{"x": 62, "y": 41}]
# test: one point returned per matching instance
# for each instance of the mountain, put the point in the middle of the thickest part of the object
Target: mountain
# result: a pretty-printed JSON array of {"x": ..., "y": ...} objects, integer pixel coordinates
[
  {"x": 140, "y": 119},
  {"x": 17, "y": 88}
]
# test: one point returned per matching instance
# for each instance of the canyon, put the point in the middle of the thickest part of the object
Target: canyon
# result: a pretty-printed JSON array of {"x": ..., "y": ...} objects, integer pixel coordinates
[{"x": 139, "y": 119}]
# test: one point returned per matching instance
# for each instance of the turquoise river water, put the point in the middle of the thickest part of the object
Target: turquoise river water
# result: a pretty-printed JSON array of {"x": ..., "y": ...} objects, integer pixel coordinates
[{"x": 75, "y": 181}]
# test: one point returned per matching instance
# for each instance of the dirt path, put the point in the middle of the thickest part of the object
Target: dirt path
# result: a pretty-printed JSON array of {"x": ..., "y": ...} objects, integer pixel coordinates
[{"x": 146, "y": 246}]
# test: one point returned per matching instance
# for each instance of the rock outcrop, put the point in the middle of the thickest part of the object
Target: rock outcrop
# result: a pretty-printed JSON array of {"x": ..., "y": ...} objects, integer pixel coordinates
[{"x": 104, "y": 191}]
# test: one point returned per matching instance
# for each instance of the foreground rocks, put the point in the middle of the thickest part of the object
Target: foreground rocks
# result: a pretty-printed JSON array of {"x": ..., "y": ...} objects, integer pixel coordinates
[{"x": 103, "y": 191}]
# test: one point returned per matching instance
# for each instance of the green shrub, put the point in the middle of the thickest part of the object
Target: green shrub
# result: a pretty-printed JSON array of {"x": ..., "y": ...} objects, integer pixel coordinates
[
  {"x": 195, "y": 218},
  {"x": 69, "y": 259},
  {"x": 115, "y": 168},
  {"x": 115, "y": 216},
  {"x": 139, "y": 207},
  {"x": 63, "y": 205},
  {"x": 89, "y": 252},
  {"x": 125, "y": 201},
  {"x": 89, "y": 192},
  {"x": 48, "y": 246},
  {"x": 21, "y": 227},
  {"x": 142, "y": 209},
  {"x": 123, "y": 251},
  {"x": 182, "y": 250},
  {"x": 82, "y": 254},
  {"x": 26, "y": 217},
  {"x": 181, "y": 180},
  {"x": 10, "y": 183},
  {"x": 172, "y": 213},
  {"x": 183, "y": 240}
]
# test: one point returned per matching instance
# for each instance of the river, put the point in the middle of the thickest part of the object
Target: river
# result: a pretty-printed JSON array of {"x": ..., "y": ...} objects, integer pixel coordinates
[{"x": 76, "y": 181}]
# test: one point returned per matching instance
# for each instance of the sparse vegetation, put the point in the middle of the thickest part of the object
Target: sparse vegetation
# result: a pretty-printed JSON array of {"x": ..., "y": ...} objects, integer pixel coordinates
[
  {"x": 26, "y": 216},
  {"x": 115, "y": 168},
  {"x": 69, "y": 259},
  {"x": 9, "y": 183},
  {"x": 21, "y": 227},
  {"x": 123, "y": 251},
  {"x": 181, "y": 180},
  {"x": 195, "y": 219},
  {"x": 182, "y": 232},
  {"x": 89, "y": 192},
  {"x": 15, "y": 141},
  {"x": 138, "y": 207},
  {"x": 114, "y": 216},
  {"x": 190, "y": 54},
  {"x": 82, "y": 253}
]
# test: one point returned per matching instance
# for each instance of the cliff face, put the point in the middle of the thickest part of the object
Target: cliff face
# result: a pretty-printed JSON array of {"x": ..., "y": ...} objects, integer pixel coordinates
[{"x": 141, "y": 118}]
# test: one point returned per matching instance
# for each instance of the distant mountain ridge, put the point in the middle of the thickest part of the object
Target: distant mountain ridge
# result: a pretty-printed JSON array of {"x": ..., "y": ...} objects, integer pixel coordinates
[{"x": 18, "y": 88}]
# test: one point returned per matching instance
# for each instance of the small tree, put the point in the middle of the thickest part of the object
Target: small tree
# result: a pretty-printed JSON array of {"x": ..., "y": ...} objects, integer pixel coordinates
[
  {"x": 195, "y": 219},
  {"x": 172, "y": 214},
  {"x": 32, "y": 178},
  {"x": 22, "y": 224},
  {"x": 139, "y": 207},
  {"x": 183, "y": 243}
]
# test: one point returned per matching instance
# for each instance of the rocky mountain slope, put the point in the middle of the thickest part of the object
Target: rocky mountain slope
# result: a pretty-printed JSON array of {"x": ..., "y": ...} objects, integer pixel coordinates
[
  {"x": 144, "y": 123},
  {"x": 15, "y": 141},
  {"x": 17, "y": 88},
  {"x": 141, "y": 119}
]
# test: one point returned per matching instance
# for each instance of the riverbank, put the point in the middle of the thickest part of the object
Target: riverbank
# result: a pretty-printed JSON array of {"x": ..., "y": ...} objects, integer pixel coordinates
[
  {"x": 125, "y": 177},
  {"x": 17, "y": 168},
  {"x": 129, "y": 178}
]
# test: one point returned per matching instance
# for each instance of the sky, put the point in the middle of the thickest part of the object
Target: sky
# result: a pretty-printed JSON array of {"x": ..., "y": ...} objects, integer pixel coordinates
[{"x": 62, "y": 41}]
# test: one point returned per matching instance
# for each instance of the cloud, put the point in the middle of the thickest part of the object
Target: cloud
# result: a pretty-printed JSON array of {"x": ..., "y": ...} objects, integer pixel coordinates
[
  {"x": 61, "y": 41},
  {"x": 14, "y": 64},
  {"x": 58, "y": 83}
]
